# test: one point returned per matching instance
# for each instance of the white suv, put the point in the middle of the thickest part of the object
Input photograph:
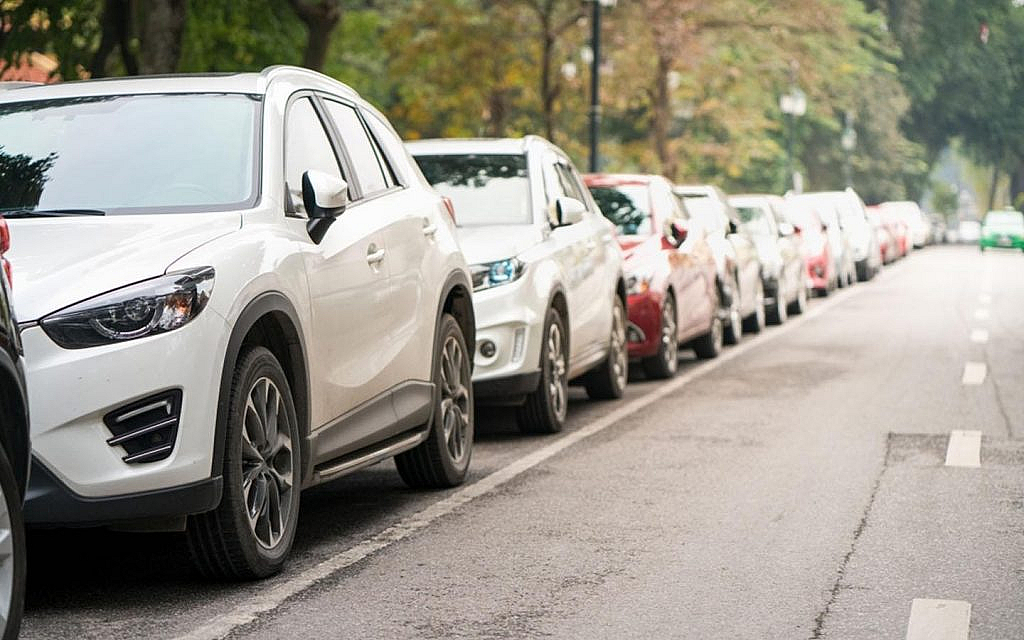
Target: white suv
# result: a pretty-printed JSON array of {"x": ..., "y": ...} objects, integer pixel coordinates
[
  {"x": 547, "y": 274},
  {"x": 231, "y": 288}
]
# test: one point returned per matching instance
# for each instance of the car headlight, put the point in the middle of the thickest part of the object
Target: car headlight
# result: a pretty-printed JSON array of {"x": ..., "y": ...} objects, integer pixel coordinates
[
  {"x": 495, "y": 274},
  {"x": 143, "y": 309}
]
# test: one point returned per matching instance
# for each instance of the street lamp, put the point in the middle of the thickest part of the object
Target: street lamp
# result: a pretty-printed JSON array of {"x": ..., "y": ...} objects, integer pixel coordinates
[
  {"x": 595, "y": 74},
  {"x": 793, "y": 105}
]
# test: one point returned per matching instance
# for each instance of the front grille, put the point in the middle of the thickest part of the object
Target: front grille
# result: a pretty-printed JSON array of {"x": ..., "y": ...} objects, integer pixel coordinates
[{"x": 146, "y": 429}]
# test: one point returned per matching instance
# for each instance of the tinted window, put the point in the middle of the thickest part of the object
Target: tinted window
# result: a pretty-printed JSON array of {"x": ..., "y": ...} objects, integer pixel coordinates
[
  {"x": 755, "y": 220},
  {"x": 306, "y": 147},
  {"x": 627, "y": 206},
  {"x": 395, "y": 153},
  {"x": 130, "y": 154},
  {"x": 567, "y": 181},
  {"x": 485, "y": 189},
  {"x": 1004, "y": 219},
  {"x": 360, "y": 149}
]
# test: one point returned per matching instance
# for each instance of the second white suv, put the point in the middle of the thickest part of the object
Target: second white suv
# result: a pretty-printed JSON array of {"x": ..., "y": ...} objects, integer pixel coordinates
[
  {"x": 547, "y": 274},
  {"x": 232, "y": 287}
]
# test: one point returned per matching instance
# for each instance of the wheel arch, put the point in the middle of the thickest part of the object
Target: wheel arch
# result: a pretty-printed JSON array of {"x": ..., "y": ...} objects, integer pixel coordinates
[
  {"x": 457, "y": 300},
  {"x": 14, "y": 408}
]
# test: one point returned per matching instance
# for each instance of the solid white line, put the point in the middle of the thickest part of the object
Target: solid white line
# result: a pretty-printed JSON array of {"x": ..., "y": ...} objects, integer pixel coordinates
[
  {"x": 981, "y": 314},
  {"x": 270, "y": 595},
  {"x": 980, "y": 336},
  {"x": 939, "y": 620},
  {"x": 974, "y": 373},
  {"x": 964, "y": 449},
  {"x": 985, "y": 298}
]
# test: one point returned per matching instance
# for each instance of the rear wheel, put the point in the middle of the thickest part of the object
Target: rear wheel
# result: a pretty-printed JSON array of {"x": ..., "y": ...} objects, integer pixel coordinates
[
  {"x": 754, "y": 323},
  {"x": 443, "y": 458},
  {"x": 733, "y": 320},
  {"x": 665, "y": 363},
  {"x": 779, "y": 311},
  {"x": 249, "y": 535},
  {"x": 608, "y": 381},
  {"x": 545, "y": 409},
  {"x": 799, "y": 305},
  {"x": 709, "y": 345}
]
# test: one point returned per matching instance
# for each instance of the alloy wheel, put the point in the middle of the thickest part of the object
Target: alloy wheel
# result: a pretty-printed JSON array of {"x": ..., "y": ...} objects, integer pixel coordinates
[
  {"x": 669, "y": 334},
  {"x": 455, "y": 399},
  {"x": 6, "y": 560},
  {"x": 268, "y": 476},
  {"x": 620, "y": 363},
  {"x": 558, "y": 382}
]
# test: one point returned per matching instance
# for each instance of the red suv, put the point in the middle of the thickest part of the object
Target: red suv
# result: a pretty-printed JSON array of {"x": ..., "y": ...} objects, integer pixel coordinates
[{"x": 670, "y": 271}]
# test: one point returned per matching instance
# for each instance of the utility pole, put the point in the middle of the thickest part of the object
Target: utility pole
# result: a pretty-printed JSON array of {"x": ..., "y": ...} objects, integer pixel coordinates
[{"x": 595, "y": 82}]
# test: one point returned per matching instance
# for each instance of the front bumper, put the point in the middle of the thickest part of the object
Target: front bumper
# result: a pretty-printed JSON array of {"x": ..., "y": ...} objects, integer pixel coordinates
[
  {"x": 818, "y": 272},
  {"x": 1002, "y": 241},
  {"x": 71, "y": 390},
  {"x": 645, "y": 314},
  {"x": 510, "y": 319}
]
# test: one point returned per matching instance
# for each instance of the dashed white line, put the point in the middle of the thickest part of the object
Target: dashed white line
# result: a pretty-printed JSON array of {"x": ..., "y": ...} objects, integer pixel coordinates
[
  {"x": 981, "y": 314},
  {"x": 974, "y": 373},
  {"x": 272, "y": 594},
  {"x": 964, "y": 449},
  {"x": 939, "y": 620},
  {"x": 979, "y": 336}
]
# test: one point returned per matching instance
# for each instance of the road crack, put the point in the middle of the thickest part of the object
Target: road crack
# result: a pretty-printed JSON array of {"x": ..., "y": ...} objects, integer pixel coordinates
[{"x": 837, "y": 586}]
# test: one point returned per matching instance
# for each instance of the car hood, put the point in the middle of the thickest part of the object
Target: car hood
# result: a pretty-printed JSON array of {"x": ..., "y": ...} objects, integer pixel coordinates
[
  {"x": 497, "y": 242},
  {"x": 57, "y": 262}
]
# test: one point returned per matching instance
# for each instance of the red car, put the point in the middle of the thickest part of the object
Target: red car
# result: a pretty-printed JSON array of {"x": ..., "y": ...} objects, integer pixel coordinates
[
  {"x": 898, "y": 228},
  {"x": 821, "y": 271},
  {"x": 670, "y": 271}
]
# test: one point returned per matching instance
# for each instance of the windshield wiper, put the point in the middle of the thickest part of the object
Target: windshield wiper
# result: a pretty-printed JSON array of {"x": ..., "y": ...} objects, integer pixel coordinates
[{"x": 51, "y": 213}]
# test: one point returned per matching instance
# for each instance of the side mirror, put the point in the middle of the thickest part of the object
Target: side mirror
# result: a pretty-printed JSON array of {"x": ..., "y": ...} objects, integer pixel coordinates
[
  {"x": 733, "y": 227},
  {"x": 325, "y": 197},
  {"x": 569, "y": 210},
  {"x": 786, "y": 229},
  {"x": 677, "y": 233},
  {"x": 797, "y": 230},
  {"x": 824, "y": 228}
]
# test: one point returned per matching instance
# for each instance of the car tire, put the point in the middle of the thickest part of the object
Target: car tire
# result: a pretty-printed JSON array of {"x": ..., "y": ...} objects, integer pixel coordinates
[
  {"x": 442, "y": 460},
  {"x": 13, "y": 564},
  {"x": 710, "y": 344},
  {"x": 798, "y": 306},
  {"x": 780, "y": 311},
  {"x": 665, "y": 362},
  {"x": 733, "y": 320},
  {"x": 754, "y": 323},
  {"x": 546, "y": 407},
  {"x": 250, "y": 533},
  {"x": 863, "y": 272},
  {"x": 608, "y": 380}
]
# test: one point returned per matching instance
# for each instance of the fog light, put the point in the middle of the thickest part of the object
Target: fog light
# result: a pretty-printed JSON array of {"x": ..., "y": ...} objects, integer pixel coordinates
[
  {"x": 488, "y": 349},
  {"x": 518, "y": 344},
  {"x": 819, "y": 270}
]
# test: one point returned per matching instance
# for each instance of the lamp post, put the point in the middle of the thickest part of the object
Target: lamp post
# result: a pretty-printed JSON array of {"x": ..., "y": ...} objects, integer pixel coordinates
[
  {"x": 848, "y": 142},
  {"x": 595, "y": 75},
  {"x": 793, "y": 105}
]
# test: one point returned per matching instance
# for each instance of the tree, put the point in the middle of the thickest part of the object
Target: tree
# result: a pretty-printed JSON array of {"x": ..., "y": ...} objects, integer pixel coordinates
[{"x": 320, "y": 18}]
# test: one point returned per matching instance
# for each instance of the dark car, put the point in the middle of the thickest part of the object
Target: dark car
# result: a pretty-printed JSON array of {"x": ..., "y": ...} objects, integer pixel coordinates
[
  {"x": 14, "y": 455},
  {"x": 778, "y": 248},
  {"x": 670, "y": 272},
  {"x": 739, "y": 270}
]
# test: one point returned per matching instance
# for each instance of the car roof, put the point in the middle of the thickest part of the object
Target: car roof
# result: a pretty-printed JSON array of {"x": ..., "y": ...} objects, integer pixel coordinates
[
  {"x": 462, "y": 146},
  {"x": 618, "y": 179},
  {"x": 254, "y": 83}
]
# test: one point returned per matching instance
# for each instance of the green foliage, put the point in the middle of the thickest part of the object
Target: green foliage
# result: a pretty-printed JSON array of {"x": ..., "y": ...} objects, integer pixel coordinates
[{"x": 945, "y": 199}]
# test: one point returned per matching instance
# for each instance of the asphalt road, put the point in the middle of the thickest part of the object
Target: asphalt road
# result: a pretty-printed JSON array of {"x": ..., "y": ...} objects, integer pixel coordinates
[{"x": 796, "y": 488}]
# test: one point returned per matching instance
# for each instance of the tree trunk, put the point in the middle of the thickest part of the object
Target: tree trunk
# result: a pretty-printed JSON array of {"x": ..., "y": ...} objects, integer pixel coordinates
[
  {"x": 117, "y": 26},
  {"x": 1017, "y": 185},
  {"x": 661, "y": 113},
  {"x": 162, "y": 30},
  {"x": 992, "y": 189},
  {"x": 320, "y": 18}
]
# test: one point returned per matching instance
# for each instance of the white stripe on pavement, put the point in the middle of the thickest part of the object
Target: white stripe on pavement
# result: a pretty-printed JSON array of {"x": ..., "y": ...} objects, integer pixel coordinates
[
  {"x": 981, "y": 314},
  {"x": 271, "y": 594},
  {"x": 974, "y": 373},
  {"x": 980, "y": 336},
  {"x": 939, "y": 620},
  {"x": 964, "y": 449}
]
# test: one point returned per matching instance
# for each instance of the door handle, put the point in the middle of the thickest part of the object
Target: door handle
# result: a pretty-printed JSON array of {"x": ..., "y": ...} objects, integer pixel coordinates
[
  {"x": 374, "y": 255},
  {"x": 429, "y": 228}
]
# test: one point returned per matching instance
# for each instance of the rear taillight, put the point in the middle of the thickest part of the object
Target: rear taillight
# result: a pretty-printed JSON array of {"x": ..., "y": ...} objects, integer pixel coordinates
[{"x": 450, "y": 207}]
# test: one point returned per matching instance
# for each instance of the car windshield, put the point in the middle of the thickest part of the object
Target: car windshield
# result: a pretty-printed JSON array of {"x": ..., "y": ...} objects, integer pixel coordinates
[
  {"x": 1004, "y": 219},
  {"x": 486, "y": 189},
  {"x": 755, "y": 220},
  {"x": 628, "y": 206},
  {"x": 130, "y": 153}
]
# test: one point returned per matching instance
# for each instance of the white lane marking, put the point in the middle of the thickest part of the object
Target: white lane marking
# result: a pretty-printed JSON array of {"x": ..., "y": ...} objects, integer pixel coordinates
[
  {"x": 985, "y": 298},
  {"x": 271, "y": 595},
  {"x": 964, "y": 449},
  {"x": 981, "y": 314},
  {"x": 939, "y": 620},
  {"x": 974, "y": 373},
  {"x": 980, "y": 336}
]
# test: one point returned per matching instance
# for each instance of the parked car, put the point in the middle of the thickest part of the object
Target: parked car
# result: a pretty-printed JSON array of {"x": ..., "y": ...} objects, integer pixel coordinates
[
  {"x": 887, "y": 243},
  {"x": 670, "y": 272},
  {"x": 778, "y": 249},
  {"x": 550, "y": 295},
  {"x": 239, "y": 286},
  {"x": 821, "y": 272},
  {"x": 937, "y": 224},
  {"x": 14, "y": 454},
  {"x": 739, "y": 271},
  {"x": 895, "y": 223},
  {"x": 1003, "y": 229},
  {"x": 827, "y": 208},
  {"x": 969, "y": 231},
  {"x": 918, "y": 228}
]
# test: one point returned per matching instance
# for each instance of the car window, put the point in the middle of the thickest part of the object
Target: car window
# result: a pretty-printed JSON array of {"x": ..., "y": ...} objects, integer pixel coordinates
[
  {"x": 485, "y": 189},
  {"x": 362, "y": 153},
  {"x": 1004, "y": 219},
  {"x": 394, "y": 153},
  {"x": 628, "y": 206},
  {"x": 306, "y": 147},
  {"x": 664, "y": 204},
  {"x": 567, "y": 181},
  {"x": 755, "y": 220}
]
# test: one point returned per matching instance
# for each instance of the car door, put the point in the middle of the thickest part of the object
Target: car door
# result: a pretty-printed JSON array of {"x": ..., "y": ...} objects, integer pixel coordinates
[
  {"x": 747, "y": 262},
  {"x": 684, "y": 275}
]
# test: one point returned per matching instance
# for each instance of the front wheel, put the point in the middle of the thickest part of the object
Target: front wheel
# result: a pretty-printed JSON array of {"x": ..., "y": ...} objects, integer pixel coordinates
[
  {"x": 733, "y": 319},
  {"x": 442, "y": 460},
  {"x": 665, "y": 362},
  {"x": 545, "y": 409},
  {"x": 755, "y": 322},
  {"x": 608, "y": 381},
  {"x": 249, "y": 535},
  {"x": 12, "y": 552},
  {"x": 800, "y": 304}
]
